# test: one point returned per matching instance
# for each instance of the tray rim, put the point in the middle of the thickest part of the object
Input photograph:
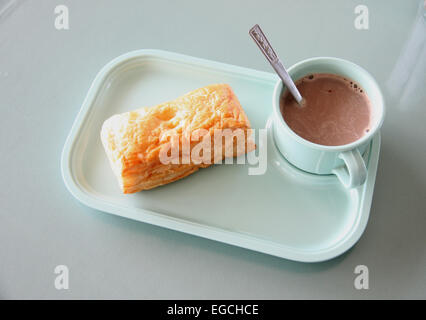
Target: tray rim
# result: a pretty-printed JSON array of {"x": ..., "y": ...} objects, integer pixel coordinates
[{"x": 194, "y": 228}]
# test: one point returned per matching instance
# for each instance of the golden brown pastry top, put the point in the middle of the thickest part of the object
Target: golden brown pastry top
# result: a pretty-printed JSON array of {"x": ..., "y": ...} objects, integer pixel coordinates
[{"x": 135, "y": 137}]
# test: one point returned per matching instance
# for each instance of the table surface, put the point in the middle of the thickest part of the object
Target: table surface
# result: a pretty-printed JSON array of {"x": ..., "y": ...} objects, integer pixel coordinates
[{"x": 45, "y": 74}]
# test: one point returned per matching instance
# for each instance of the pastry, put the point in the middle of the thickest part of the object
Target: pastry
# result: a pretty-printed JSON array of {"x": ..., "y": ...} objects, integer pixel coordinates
[{"x": 153, "y": 146}]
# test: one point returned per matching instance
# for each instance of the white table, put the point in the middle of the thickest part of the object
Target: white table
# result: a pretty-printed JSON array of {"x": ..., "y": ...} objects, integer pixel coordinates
[{"x": 45, "y": 74}]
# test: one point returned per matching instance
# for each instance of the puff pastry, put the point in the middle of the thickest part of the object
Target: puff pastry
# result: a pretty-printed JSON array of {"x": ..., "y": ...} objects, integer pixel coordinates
[{"x": 133, "y": 141}]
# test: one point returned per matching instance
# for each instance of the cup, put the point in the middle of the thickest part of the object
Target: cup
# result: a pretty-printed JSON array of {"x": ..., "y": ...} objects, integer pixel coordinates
[{"x": 344, "y": 161}]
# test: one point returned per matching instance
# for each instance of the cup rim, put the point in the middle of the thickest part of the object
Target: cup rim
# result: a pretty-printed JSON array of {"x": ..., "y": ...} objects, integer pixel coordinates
[{"x": 277, "y": 112}]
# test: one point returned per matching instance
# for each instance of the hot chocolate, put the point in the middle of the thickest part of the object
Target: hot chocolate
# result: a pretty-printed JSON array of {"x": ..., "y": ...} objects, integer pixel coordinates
[{"x": 336, "y": 110}]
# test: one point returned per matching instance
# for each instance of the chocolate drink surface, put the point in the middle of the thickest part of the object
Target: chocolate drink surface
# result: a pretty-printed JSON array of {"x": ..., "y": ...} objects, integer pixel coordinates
[{"x": 336, "y": 110}]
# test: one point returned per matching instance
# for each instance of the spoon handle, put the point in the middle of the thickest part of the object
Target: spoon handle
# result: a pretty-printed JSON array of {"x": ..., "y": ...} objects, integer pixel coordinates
[{"x": 262, "y": 42}]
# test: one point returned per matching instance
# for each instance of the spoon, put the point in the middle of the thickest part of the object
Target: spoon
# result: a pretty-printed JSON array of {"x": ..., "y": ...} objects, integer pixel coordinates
[{"x": 262, "y": 42}]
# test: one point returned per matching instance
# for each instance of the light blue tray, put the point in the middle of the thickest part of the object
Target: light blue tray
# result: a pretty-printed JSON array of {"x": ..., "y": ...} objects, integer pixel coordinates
[{"x": 285, "y": 212}]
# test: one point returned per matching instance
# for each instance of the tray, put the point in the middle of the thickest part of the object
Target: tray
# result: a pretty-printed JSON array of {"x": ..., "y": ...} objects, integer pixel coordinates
[{"x": 285, "y": 212}]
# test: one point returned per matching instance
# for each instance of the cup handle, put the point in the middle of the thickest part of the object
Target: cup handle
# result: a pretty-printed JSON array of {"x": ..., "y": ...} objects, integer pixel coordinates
[{"x": 354, "y": 172}]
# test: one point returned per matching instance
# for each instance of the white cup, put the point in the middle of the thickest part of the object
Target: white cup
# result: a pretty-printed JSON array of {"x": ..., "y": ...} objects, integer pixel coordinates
[{"x": 344, "y": 161}]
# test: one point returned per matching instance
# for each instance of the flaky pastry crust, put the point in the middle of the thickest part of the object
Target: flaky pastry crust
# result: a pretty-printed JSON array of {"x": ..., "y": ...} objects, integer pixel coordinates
[{"x": 133, "y": 140}]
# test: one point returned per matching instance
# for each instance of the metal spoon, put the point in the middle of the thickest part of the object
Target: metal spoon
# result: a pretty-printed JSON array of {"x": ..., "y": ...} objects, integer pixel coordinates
[{"x": 262, "y": 42}]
